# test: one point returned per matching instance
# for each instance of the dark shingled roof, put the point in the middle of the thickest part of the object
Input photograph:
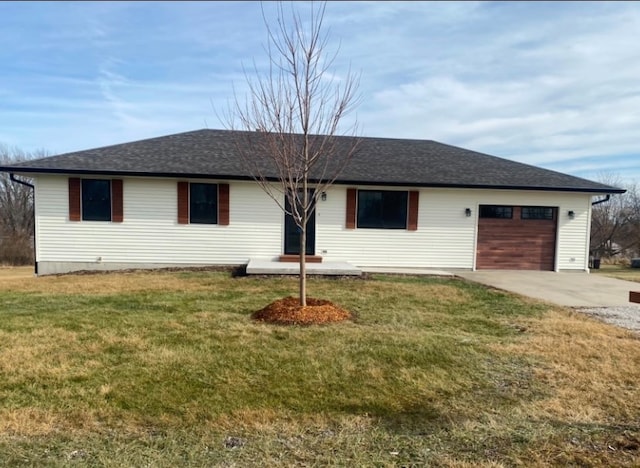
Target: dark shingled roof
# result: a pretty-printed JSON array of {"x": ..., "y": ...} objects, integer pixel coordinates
[{"x": 378, "y": 161}]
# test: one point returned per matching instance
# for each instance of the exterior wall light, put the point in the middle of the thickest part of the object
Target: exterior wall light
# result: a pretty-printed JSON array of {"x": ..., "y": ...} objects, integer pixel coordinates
[
  {"x": 467, "y": 212},
  {"x": 324, "y": 196},
  {"x": 571, "y": 214}
]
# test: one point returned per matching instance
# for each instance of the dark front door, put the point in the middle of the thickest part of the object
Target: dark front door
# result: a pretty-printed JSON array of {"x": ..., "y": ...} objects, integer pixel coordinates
[{"x": 292, "y": 232}]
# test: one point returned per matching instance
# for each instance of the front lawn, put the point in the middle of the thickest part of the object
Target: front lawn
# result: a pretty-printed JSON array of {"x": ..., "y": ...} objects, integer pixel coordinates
[
  {"x": 167, "y": 369},
  {"x": 622, "y": 272}
]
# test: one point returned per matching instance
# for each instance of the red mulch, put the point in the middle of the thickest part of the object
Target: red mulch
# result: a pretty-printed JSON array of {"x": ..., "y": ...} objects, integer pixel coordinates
[{"x": 287, "y": 311}]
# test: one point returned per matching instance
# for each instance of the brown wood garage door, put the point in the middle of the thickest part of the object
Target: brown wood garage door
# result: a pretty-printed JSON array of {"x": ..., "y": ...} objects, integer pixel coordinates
[{"x": 526, "y": 240}]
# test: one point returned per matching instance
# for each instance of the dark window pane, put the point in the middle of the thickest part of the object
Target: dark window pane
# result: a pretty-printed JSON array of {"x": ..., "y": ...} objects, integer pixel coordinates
[
  {"x": 96, "y": 200},
  {"x": 203, "y": 203},
  {"x": 495, "y": 211},
  {"x": 382, "y": 209},
  {"x": 537, "y": 212}
]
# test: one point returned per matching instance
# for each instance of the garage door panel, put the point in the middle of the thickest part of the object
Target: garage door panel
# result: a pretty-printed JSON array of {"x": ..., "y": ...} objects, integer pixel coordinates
[{"x": 516, "y": 244}]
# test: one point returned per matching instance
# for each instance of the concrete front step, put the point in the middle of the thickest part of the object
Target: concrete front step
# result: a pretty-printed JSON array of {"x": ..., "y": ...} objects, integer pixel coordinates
[{"x": 259, "y": 266}]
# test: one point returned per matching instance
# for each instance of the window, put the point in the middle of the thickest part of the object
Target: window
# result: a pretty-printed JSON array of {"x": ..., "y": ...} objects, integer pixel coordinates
[
  {"x": 96, "y": 200},
  {"x": 495, "y": 211},
  {"x": 537, "y": 212},
  {"x": 203, "y": 203},
  {"x": 382, "y": 209},
  {"x": 200, "y": 203}
]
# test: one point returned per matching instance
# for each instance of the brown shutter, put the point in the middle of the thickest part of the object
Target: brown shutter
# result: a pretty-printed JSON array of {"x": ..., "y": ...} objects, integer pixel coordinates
[
  {"x": 74, "y": 199},
  {"x": 351, "y": 208},
  {"x": 412, "y": 224},
  {"x": 116, "y": 201},
  {"x": 183, "y": 202},
  {"x": 223, "y": 204}
]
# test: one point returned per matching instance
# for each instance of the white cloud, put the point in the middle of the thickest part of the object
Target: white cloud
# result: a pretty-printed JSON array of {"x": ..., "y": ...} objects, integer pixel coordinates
[
  {"x": 536, "y": 91},
  {"x": 550, "y": 83}
]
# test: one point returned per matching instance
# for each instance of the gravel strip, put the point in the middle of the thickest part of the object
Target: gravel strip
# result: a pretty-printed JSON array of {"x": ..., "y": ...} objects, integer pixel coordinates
[{"x": 622, "y": 316}]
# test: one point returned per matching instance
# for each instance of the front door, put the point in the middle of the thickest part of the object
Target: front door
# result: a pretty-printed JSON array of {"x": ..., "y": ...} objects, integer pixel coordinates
[{"x": 292, "y": 232}]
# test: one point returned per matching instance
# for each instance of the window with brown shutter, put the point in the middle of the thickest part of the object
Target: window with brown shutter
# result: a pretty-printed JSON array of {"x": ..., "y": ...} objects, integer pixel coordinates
[
  {"x": 382, "y": 209},
  {"x": 203, "y": 203},
  {"x": 95, "y": 199}
]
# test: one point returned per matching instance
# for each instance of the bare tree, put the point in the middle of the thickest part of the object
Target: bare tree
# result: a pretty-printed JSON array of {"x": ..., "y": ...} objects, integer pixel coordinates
[
  {"x": 633, "y": 200},
  {"x": 291, "y": 118},
  {"x": 16, "y": 210},
  {"x": 615, "y": 223}
]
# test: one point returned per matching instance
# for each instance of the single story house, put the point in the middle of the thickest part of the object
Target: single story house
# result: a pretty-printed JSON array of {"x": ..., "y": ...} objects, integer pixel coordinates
[{"x": 187, "y": 200}]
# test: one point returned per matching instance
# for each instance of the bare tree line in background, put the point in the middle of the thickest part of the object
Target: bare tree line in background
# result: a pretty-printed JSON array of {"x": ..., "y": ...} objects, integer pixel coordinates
[
  {"x": 16, "y": 211},
  {"x": 615, "y": 224}
]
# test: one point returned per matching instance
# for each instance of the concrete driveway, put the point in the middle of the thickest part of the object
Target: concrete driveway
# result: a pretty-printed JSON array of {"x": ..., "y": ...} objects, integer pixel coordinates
[{"x": 566, "y": 289}]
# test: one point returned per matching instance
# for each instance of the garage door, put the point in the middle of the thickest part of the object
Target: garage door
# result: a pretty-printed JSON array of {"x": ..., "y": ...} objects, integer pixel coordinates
[{"x": 516, "y": 237}]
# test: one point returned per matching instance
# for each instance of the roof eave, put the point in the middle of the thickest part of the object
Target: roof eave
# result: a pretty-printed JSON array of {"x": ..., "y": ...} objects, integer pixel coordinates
[
  {"x": 486, "y": 186},
  {"x": 174, "y": 175}
]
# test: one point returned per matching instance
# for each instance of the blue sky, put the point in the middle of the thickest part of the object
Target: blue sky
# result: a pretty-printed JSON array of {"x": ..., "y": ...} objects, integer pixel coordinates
[{"x": 552, "y": 84}]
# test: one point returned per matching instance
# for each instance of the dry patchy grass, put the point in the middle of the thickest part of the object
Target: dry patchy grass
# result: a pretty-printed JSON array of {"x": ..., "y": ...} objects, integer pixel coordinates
[
  {"x": 13, "y": 273},
  {"x": 18, "y": 280},
  {"x": 171, "y": 371},
  {"x": 622, "y": 272},
  {"x": 592, "y": 369}
]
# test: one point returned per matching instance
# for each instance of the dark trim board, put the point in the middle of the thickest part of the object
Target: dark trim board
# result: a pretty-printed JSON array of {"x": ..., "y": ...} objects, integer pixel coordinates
[{"x": 174, "y": 175}]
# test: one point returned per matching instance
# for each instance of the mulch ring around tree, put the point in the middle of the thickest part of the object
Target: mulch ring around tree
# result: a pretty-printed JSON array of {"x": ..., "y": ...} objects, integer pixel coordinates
[{"x": 288, "y": 311}]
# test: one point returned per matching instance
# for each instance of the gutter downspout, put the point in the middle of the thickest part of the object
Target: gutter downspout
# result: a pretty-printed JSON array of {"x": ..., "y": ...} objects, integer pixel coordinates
[
  {"x": 605, "y": 199},
  {"x": 32, "y": 187}
]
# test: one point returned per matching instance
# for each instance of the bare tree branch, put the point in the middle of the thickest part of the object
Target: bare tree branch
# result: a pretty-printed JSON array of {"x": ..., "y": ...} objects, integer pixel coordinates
[
  {"x": 289, "y": 121},
  {"x": 615, "y": 225}
]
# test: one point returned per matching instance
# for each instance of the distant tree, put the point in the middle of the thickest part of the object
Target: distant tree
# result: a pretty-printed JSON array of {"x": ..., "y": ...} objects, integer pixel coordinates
[
  {"x": 16, "y": 210},
  {"x": 291, "y": 118},
  {"x": 615, "y": 224},
  {"x": 633, "y": 197}
]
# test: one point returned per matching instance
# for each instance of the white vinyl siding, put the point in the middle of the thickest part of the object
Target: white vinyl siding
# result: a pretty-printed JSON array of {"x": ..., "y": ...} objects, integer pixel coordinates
[
  {"x": 443, "y": 238},
  {"x": 446, "y": 237},
  {"x": 150, "y": 233}
]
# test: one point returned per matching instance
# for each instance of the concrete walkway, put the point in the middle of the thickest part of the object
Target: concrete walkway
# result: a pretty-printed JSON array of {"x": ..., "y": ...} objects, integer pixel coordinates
[
  {"x": 566, "y": 289},
  {"x": 265, "y": 266},
  {"x": 407, "y": 271}
]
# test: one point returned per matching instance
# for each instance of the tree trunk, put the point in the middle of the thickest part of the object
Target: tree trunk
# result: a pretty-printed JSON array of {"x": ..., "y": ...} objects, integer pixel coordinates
[
  {"x": 303, "y": 266},
  {"x": 304, "y": 214}
]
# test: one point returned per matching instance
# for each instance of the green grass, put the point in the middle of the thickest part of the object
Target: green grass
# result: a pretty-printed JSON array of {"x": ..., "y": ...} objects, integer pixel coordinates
[
  {"x": 623, "y": 272},
  {"x": 431, "y": 371}
]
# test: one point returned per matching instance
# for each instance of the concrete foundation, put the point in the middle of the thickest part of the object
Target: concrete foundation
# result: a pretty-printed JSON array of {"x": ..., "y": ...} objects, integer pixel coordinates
[{"x": 54, "y": 268}]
